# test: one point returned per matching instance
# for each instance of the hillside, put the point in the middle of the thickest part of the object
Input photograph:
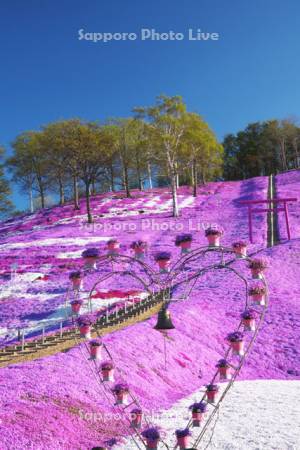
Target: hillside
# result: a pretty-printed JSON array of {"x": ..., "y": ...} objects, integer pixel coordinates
[{"x": 49, "y": 402}]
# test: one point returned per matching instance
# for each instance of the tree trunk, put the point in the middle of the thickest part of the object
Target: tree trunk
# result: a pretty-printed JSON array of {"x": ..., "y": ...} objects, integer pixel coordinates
[
  {"x": 75, "y": 193},
  {"x": 41, "y": 190},
  {"x": 149, "y": 175},
  {"x": 194, "y": 178},
  {"x": 126, "y": 181},
  {"x": 296, "y": 153},
  {"x": 112, "y": 178},
  {"x": 61, "y": 192},
  {"x": 88, "y": 204},
  {"x": 174, "y": 195},
  {"x": 283, "y": 154},
  {"x": 42, "y": 197},
  {"x": 138, "y": 170},
  {"x": 31, "y": 200},
  {"x": 140, "y": 181},
  {"x": 93, "y": 188}
]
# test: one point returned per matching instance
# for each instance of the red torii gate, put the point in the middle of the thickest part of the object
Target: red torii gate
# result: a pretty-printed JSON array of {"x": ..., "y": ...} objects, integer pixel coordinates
[{"x": 276, "y": 208}]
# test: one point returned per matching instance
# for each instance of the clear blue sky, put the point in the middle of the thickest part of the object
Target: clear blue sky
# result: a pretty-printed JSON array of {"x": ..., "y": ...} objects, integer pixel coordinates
[{"x": 252, "y": 73}]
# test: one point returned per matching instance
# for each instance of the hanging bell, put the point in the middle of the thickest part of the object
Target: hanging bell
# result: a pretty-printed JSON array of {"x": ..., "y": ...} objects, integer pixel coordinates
[{"x": 164, "y": 321}]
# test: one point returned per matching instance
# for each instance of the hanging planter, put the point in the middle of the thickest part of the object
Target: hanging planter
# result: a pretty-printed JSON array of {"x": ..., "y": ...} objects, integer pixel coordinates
[
  {"x": 183, "y": 438},
  {"x": 121, "y": 392},
  {"x": 184, "y": 241},
  {"x": 236, "y": 341},
  {"x": 163, "y": 260},
  {"x": 76, "y": 305},
  {"x": 213, "y": 235},
  {"x": 152, "y": 437},
  {"x": 113, "y": 246},
  {"x": 75, "y": 278},
  {"x": 258, "y": 294},
  {"x": 107, "y": 370},
  {"x": 90, "y": 257},
  {"x": 212, "y": 392},
  {"x": 224, "y": 369},
  {"x": 85, "y": 326},
  {"x": 198, "y": 411},
  {"x": 257, "y": 267},
  {"x": 139, "y": 248},
  {"x": 136, "y": 418},
  {"x": 240, "y": 249},
  {"x": 95, "y": 349},
  {"x": 248, "y": 319}
]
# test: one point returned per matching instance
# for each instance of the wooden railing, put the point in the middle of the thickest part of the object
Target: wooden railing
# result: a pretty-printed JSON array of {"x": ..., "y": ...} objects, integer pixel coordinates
[{"x": 63, "y": 339}]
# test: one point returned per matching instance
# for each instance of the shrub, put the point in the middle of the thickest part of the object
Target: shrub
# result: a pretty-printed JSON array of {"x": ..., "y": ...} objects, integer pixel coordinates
[
  {"x": 107, "y": 365},
  {"x": 212, "y": 387},
  {"x": 257, "y": 290},
  {"x": 95, "y": 343},
  {"x": 214, "y": 231},
  {"x": 162, "y": 256},
  {"x": 236, "y": 336},
  {"x": 183, "y": 433},
  {"x": 84, "y": 320},
  {"x": 120, "y": 387},
  {"x": 183, "y": 238},
  {"x": 222, "y": 363},
  {"x": 75, "y": 275},
  {"x": 90, "y": 253},
  {"x": 248, "y": 314},
  {"x": 258, "y": 264},
  {"x": 239, "y": 244},
  {"x": 139, "y": 244},
  {"x": 198, "y": 407},
  {"x": 151, "y": 433},
  {"x": 112, "y": 241}
]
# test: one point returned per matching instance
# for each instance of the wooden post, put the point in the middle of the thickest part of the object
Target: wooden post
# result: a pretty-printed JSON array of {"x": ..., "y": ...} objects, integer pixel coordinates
[
  {"x": 286, "y": 213},
  {"x": 250, "y": 223},
  {"x": 23, "y": 340},
  {"x": 273, "y": 205}
]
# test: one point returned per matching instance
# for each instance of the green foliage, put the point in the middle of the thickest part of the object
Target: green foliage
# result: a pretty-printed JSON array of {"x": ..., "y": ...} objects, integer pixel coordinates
[
  {"x": 162, "y": 142},
  {"x": 6, "y": 206},
  {"x": 262, "y": 148}
]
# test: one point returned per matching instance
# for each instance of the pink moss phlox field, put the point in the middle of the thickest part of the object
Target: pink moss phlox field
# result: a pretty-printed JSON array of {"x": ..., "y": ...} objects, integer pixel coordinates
[{"x": 55, "y": 402}]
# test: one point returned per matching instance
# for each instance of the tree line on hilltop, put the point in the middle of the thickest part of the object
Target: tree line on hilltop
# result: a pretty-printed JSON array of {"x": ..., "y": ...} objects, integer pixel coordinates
[{"x": 163, "y": 144}]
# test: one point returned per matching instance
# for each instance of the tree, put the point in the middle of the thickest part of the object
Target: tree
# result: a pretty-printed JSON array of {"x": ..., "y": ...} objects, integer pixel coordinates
[
  {"x": 90, "y": 154},
  {"x": 5, "y": 203},
  {"x": 110, "y": 163},
  {"x": 29, "y": 163},
  {"x": 53, "y": 140},
  {"x": 201, "y": 151},
  {"x": 166, "y": 118},
  {"x": 126, "y": 133},
  {"x": 262, "y": 148}
]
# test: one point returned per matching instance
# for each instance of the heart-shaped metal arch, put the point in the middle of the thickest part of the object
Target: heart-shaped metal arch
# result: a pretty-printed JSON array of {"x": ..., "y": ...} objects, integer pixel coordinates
[{"x": 181, "y": 273}]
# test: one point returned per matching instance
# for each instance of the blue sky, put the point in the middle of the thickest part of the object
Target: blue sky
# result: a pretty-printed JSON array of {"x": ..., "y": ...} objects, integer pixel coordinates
[{"x": 252, "y": 73}]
